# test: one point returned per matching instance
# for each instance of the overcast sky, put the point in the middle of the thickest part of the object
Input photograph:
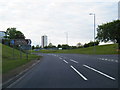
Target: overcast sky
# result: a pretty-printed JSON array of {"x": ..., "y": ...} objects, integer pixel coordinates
[{"x": 56, "y": 17}]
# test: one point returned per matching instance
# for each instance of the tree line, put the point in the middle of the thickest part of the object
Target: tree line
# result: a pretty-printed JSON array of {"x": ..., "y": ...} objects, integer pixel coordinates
[
  {"x": 66, "y": 46},
  {"x": 106, "y": 32}
]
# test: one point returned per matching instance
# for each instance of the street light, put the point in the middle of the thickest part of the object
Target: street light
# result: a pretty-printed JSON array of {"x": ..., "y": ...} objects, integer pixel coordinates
[
  {"x": 94, "y": 29},
  {"x": 66, "y": 37}
]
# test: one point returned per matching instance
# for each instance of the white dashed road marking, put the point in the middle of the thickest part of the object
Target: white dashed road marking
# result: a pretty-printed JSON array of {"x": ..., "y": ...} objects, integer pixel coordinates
[
  {"x": 60, "y": 58},
  {"x": 99, "y": 72},
  {"x": 79, "y": 73},
  {"x": 105, "y": 59},
  {"x": 65, "y": 61},
  {"x": 73, "y": 60}
]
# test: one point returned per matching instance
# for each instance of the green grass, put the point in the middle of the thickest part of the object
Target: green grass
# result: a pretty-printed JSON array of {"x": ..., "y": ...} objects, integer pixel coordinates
[
  {"x": 102, "y": 49},
  {"x": 9, "y": 63}
]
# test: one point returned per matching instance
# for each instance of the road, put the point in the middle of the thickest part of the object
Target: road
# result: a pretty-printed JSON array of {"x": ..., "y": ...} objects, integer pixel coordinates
[{"x": 71, "y": 71}]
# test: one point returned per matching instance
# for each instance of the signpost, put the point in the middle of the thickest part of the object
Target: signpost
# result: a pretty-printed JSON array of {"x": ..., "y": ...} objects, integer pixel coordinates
[
  {"x": 12, "y": 43},
  {"x": 24, "y": 44},
  {"x": 25, "y": 47}
]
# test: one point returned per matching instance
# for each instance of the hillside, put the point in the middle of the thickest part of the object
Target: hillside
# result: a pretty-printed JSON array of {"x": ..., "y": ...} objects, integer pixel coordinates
[{"x": 10, "y": 63}]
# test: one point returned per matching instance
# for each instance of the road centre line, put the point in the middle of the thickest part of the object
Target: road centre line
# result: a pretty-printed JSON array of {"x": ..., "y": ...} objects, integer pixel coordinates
[
  {"x": 65, "y": 61},
  {"x": 73, "y": 60},
  {"x": 99, "y": 72},
  {"x": 106, "y": 59},
  {"x": 112, "y": 60},
  {"x": 79, "y": 73}
]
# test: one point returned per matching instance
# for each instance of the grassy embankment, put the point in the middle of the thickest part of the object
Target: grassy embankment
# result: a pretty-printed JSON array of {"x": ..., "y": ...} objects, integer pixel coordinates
[
  {"x": 9, "y": 63},
  {"x": 102, "y": 49}
]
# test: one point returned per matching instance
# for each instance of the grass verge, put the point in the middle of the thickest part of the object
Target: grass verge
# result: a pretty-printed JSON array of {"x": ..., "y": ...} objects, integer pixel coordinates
[
  {"x": 9, "y": 63},
  {"x": 102, "y": 49}
]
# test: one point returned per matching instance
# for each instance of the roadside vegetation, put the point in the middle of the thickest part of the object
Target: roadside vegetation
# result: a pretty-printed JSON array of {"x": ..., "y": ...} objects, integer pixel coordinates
[
  {"x": 9, "y": 62},
  {"x": 101, "y": 49}
]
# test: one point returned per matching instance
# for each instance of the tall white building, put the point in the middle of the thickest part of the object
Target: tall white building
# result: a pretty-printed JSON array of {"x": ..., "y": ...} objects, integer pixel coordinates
[
  {"x": 44, "y": 41},
  {"x": 119, "y": 10}
]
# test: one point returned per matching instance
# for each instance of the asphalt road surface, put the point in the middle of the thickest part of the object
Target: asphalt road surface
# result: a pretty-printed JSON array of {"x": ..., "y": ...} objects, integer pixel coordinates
[{"x": 71, "y": 71}]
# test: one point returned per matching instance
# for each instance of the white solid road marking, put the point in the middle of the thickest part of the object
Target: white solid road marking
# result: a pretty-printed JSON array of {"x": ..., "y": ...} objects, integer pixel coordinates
[
  {"x": 73, "y": 61},
  {"x": 99, "y": 72},
  {"x": 65, "y": 61},
  {"x": 78, "y": 73}
]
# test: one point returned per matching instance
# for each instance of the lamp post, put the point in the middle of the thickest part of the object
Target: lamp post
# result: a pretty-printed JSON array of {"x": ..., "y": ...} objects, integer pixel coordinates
[
  {"x": 66, "y": 37},
  {"x": 94, "y": 29}
]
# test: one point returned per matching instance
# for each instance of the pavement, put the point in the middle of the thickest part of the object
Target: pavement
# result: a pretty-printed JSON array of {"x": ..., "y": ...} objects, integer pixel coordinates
[{"x": 71, "y": 71}]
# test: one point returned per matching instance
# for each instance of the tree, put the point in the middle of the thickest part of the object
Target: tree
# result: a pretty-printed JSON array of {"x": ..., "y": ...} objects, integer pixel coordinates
[
  {"x": 97, "y": 42},
  {"x": 109, "y": 32},
  {"x": 33, "y": 47},
  {"x": 73, "y": 47},
  {"x": 59, "y": 46},
  {"x": 79, "y": 44},
  {"x": 65, "y": 46},
  {"x": 86, "y": 45},
  {"x": 37, "y": 47},
  {"x": 12, "y": 33},
  {"x": 50, "y": 45},
  {"x": 91, "y": 43}
]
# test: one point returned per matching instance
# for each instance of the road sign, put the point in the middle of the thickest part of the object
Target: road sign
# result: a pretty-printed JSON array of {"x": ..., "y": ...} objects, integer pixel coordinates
[
  {"x": 21, "y": 41},
  {"x": 25, "y": 47},
  {"x": 28, "y": 41},
  {"x": 12, "y": 42}
]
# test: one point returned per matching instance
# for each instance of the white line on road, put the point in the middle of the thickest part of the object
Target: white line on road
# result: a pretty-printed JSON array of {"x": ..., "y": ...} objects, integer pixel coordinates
[
  {"x": 60, "y": 58},
  {"x": 112, "y": 60},
  {"x": 116, "y": 60},
  {"x": 73, "y": 61},
  {"x": 99, "y": 72},
  {"x": 78, "y": 73},
  {"x": 105, "y": 59},
  {"x": 65, "y": 61}
]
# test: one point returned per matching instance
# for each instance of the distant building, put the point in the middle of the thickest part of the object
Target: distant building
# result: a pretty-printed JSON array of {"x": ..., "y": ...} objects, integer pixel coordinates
[
  {"x": 119, "y": 10},
  {"x": 2, "y": 34},
  {"x": 43, "y": 41}
]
